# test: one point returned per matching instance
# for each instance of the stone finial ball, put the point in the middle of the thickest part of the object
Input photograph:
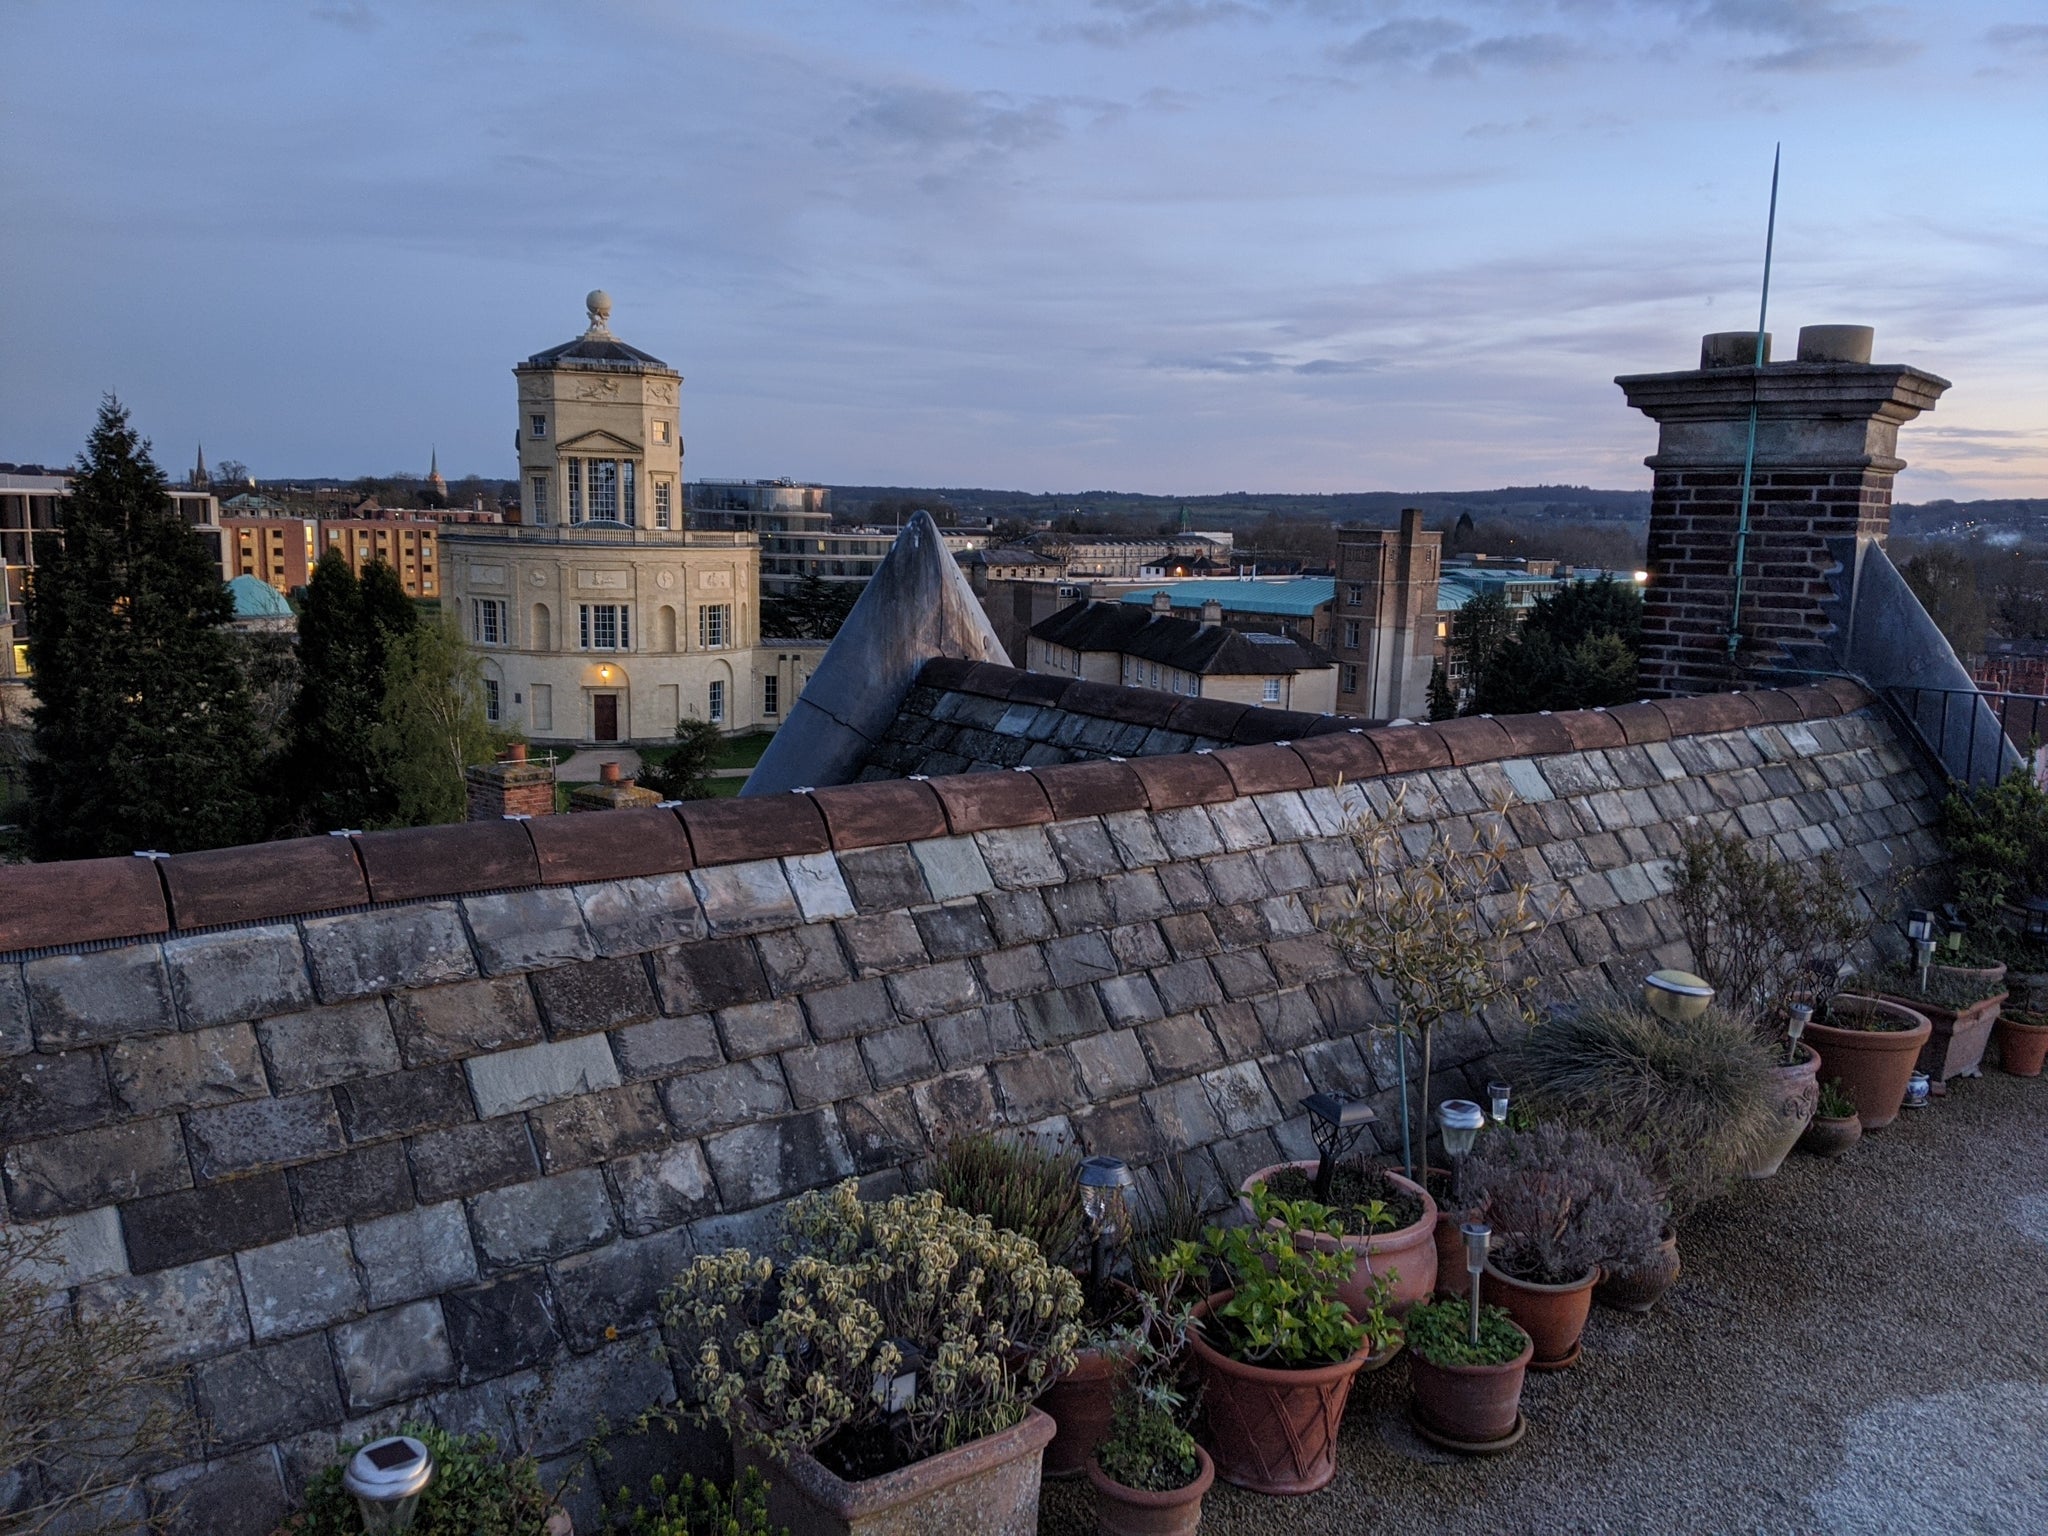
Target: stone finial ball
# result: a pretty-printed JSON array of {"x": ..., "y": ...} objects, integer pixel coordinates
[{"x": 599, "y": 303}]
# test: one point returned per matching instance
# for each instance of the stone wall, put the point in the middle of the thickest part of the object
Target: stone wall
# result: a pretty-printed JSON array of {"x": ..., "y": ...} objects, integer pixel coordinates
[{"x": 419, "y": 1123}]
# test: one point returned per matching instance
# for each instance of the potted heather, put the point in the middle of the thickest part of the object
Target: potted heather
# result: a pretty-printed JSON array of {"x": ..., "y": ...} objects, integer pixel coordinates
[
  {"x": 1467, "y": 1395},
  {"x": 1960, "y": 1007},
  {"x": 1835, "y": 1128},
  {"x": 880, "y": 1369},
  {"x": 1148, "y": 1473},
  {"x": 1277, "y": 1349},
  {"x": 1563, "y": 1205}
]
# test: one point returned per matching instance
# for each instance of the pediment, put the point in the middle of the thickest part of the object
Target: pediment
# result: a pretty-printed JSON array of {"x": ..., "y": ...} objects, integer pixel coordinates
[{"x": 597, "y": 440}]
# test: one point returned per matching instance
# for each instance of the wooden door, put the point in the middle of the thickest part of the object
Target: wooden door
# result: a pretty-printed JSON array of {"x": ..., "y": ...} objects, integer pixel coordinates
[{"x": 604, "y": 709}]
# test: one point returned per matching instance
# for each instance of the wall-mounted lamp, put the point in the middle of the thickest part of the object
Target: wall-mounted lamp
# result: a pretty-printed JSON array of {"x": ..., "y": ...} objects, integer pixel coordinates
[
  {"x": 386, "y": 1478},
  {"x": 1676, "y": 996},
  {"x": 1336, "y": 1122}
]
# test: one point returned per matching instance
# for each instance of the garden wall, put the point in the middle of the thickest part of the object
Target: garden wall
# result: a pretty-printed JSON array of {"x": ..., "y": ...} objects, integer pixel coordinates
[{"x": 419, "y": 1122}]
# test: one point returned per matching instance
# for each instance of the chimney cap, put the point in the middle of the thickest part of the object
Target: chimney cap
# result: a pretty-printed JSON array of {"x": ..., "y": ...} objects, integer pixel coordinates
[
  {"x": 1836, "y": 343},
  {"x": 1162, "y": 601},
  {"x": 1732, "y": 349}
]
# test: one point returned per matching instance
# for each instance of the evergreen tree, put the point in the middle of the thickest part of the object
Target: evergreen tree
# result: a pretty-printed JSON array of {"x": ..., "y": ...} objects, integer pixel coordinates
[
  {"x": 433, "y": 725},
  {"x": 1479, "y": 630},
  {"x": 334, "y": 775},
  {"x": 685, "y": 774},
  {"x": 1578, "y": 649},
  {"x": 811, "y": 610},
  {"x": 144, "y": 736},
  {"x": 1443, "y": 703}
]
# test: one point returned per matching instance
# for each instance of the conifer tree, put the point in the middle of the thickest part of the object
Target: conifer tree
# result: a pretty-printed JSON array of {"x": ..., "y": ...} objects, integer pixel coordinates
[
  {"x": 432, "y": 724},
  {"x": 144, "y": 735}
]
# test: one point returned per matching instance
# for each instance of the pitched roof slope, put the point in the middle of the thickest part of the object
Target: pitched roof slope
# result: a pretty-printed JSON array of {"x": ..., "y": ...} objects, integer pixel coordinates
[{"x": 1212, "y": 650}]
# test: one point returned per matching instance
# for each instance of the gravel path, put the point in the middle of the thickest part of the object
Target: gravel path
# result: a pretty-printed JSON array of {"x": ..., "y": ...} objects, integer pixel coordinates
[{"x": 1853, "y": 1347}]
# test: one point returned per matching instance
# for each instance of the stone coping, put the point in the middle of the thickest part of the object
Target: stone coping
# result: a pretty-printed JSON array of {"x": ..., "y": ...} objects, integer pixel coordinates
[{"x": 87, "y": 902}]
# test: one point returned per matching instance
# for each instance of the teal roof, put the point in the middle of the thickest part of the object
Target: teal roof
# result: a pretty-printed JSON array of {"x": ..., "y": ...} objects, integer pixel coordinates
[
  {"x": 257, "y": 600},
  {"x": 1297, "y": 597},
  {"x": 1458, "y": 585}
]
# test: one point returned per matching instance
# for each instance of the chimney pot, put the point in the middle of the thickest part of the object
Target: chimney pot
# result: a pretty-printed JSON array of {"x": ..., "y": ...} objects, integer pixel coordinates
[
  {"x": 516, "y": 753},
  {"x": 1836, "y": 343},
  {"x": 1732, "y": 349},
  {"x": 1212, "y": 613},
  {"x": 1162, "y": 602},
  {"x": 608, "y": 773}
]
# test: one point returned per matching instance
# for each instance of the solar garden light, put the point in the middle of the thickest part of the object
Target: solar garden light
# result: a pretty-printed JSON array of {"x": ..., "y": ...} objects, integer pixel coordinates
[
  {"x": 1103, "y": 1182},
  {"x": 1497, "y": 1094},
  {"x": 386, "y": 1478},
  {"x": 1676, "y": 996},
  {"x": 1478, "y": 1235},
  {"x": 1797, "y": 1017},
  {"x": 1460, "y": 1121},
  {"x": 897, "y": 1390},
  {"x": 1336, "y": 1122},
  {"x": 1920, "y": 929}
]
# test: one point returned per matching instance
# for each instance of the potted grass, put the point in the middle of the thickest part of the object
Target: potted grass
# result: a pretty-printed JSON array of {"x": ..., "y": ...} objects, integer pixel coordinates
[
  {"x": 1563, "y": 1205},
  {"x": 2022, "y": 1035},
  {"x": 1277, "y": 1349},
  {"x": 1960, "y": 1008},
  {"x": 880, "y": 1371},
  {"x": 1467, "y": 1395},
  {"x": 1148, "y": 1474},
  {"x": 1835, "y": 1128}
]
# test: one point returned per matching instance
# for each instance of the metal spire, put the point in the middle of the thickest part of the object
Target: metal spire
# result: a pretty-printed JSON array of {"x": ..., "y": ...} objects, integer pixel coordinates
[{"x": 1755, "y": 388}]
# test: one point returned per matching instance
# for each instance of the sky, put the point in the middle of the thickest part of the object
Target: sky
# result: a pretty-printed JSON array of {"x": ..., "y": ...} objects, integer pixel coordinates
[{"x": 1177, "y": 246}]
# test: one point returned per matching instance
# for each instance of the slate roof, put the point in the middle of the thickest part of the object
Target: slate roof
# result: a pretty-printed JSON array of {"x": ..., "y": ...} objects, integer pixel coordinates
[
  {"x": 1297, "y": 598},
  {"x": 1213, "y": 650},
  {"x": 596, "y": 352}
]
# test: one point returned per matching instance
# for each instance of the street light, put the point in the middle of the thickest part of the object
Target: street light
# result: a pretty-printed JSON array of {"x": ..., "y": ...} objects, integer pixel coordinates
[
  {"x": 1477, "y": 1236},
  {"x": 1460, "y": 1121},
  {"x": 1103, "y": 1182},
  {"x": 1336, "y": 1122},
  {"x": 386, "y": 1478},
  {"x": 1676, "y": 996}
]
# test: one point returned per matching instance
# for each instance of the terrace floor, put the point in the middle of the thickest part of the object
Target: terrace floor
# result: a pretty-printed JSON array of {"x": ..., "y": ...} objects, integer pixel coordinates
[{"x": 1859, "y": 1346}]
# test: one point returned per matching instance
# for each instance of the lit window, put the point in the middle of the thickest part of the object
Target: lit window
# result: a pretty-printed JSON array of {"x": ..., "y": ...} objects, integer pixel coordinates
[
  {"x": 1272, "y": 690},
  {"x": 661, "y": 432},
  {"x": 603, "y": 626},
  {"x": 714, "y": 626},
  {"x": 662, "y": 503},
  {"x": 714, "y": 708},
  {"x": 771, "y": 695},
  {"x": 604, "y": 490},
  {"x": 489, "y": 625},
  {"x": 490, "y": 700},
  {"x": 537, "y": 426},
  {"x": 21, "y": 659}
]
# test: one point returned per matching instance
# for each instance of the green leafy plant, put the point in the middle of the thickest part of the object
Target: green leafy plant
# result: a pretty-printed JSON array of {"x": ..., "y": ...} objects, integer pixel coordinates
[
  {"x": 1361, "y": 1198},
  {"x": 1998, "y": 848},
  {"x": 475, "y": 1492},
  {"x": 887, "y": 1332},
  {"x": 1836, "y": 1102},
  {"x": 1284, "y": 1309},
  {"x": 1694, "y": 1100},
  {"x": 1179, "y": 1214},
  {"x": 1019, "y": 1183},
  {"x": 1148, "y": 1446},
  {"x": 1562, "y": 1203},
  {"x": 1441, "y": 1333},
  {"x": 696, "y": 1507},
  {"x": 685, "y": 772}
]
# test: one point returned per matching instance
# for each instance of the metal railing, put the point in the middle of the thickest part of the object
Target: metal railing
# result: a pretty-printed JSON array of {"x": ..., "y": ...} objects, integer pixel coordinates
[{"x": 1976, "y": 734}]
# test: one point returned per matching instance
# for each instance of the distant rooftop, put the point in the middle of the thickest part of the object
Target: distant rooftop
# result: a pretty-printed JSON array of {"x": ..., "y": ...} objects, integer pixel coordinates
[
  {"x": 597, "y": 347},
  {"x": 257, "y": 599},
  {"x": 1212, "y": 650},
  {"x": 1296, "y": 597}
]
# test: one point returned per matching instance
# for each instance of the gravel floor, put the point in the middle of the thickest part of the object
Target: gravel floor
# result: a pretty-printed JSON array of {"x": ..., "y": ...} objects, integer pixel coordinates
[{"x": 1853, "y": 1347}]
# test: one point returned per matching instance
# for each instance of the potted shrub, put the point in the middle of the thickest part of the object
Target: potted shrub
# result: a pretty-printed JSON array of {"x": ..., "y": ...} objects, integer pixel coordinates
[
  {"x": 1466, "y": 1396},
  {"x": 1835, "y": 1128},
  {"x": 1277, "y": 1350},
  {"x": 2022, "y": 1041},
  {"x": 1386, "y": 1225},
  {"x": 1960, "y": 1007},
  {"x": 1562, "y": 1204},
  {"x": 1148, "y": 1473},
  {"x": 1870, "y": 1046},
  {"x": 881, "y": 1371},
  {"x": 1638, "y": 1286}
]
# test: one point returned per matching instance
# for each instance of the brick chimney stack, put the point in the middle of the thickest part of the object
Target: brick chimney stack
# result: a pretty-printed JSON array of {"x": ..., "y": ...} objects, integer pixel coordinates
[
  {"x": 512, "y": 786},
  {"x": 1826, "y": 455}
]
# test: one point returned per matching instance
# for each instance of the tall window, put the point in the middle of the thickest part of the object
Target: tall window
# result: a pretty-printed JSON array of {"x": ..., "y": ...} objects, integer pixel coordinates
[
  {"x": 1347, "y": 678},
  {"x": 714, "y": 707},
  {"x": 1272, "y": 694},
  {"x": 663, "y": 492},
  {"x": 540, "y": 498},
  {"x": 714, "y": 626},
  {"x": 1351, "y": 634},
  {"x": 572, "y": 472},
  {"x": 491, "y": 700},
  {"x": 661, "y": 431},
  {"x": 604, "y": 626},
  {"x": 488, "y": 621},
  {"x": 771, "y": 695},
  {"x": 604, "y": 490},
  {"x": 1354, "y": 594},
  {"x": 537, "y": 425},
  {"x": 630, "y": 487}
]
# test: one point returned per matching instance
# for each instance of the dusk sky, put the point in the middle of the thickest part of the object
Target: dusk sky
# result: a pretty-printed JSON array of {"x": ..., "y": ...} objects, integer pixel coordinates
[{"x": 1158, "y": 245}]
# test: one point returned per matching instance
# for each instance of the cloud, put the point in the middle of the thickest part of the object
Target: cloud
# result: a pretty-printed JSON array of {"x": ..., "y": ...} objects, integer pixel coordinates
[
  {"x": 1817, "y": 35},
  {"x": 1134, "y": 21},
  {"x": 2015, "y": 37},
  {"x": 1254, "y": 362},
  {"x": 349, "y": 15},
  {"x": 1446, "y": 47},
  {"x": 1408, "y": 40}
]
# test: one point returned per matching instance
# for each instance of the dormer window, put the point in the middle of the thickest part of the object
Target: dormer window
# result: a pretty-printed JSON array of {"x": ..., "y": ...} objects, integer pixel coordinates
[{"x": 537, "y": 425}]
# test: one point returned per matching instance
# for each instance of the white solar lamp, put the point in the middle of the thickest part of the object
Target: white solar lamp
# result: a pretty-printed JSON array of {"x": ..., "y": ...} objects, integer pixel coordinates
[
  {"x": 386, "y": 1478},
  {"x": 1676, "y": 996}
]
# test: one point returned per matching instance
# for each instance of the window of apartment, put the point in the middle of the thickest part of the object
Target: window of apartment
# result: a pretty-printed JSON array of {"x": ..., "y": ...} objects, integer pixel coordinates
[
  {"x": 714, "y": 704},
  {"x": 540, "y": 498},
  {"x": 1272, "y": 693},
  {"x": 1351, "y": 634},
  {"x": 771, "y": 695},
  {"x": 714, "y": 626},
  {"x": 572, "y": 475},
  {"x": 487, "y": 625},
  {"x": 664, "y": 495},
  {"x": 1347, "y": 678},
  {"x": 1354, "y": 593},
  {"x": 604, "y": 490},
  {"x": 661, "y": 432},
  {"x": 491, "y": 711},
  {"x": 629, "y": 482},
  {"x": 604, "y": 626},
  {"x": 537, "y": 425}
]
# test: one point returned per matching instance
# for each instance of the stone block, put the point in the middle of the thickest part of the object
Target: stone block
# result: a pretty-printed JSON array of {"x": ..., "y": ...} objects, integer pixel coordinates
[
  {"x": 507, "y": 1325},
  {"x": 197, "y": 1308},
  {"x": 759, "y": 1029},
  {"x": 746, "y": 898},
  {"x": 615, "y": 1383},
  {"x": 1136, "y": 897},
  {"x": 599, "y": 1126},
  {"x": 952, "y": 867},
  {"x": 80, "y": 1249},
  {"x": 1179, "y": 1045},
  {"x": 1244, "y": 975},
  {"x": 323, "y": 1046},
  {"x": 1084, "y": 849},
  {"x": 111, "y": 993},
  {"x": 420, "y": 1252},
  {"x": 527, "y": 930},
  {"x": 896, "y": 1056},
  {"x": 952, "y": 931},
  {"x": 707, "y": 1101},
  {"x": 599, "y": 994},
  {"x": 977, "y": 1035},
  {"x": 1122, "y": 1130},
  {"x": 371, "y": 1181},
  {"x": 663, "y": 1046},
  {"x": 881, "y": 1130},
  {"x": 1239, "y": 1095},
  {"x": 1080, "y": 958},
  {"x": 359, "y": 954},
  {"x": 544, "y": 1219},
  {"x": 98, "y": 1167},
  {"x": 42, "y": 1094},
  {"x": 230, "y": 1496},
  {"x": 1014, "y": 972},
  {"x": 884, "y": 879},
  {"x": 262, "y": 1133},
  {"x": 259, "y": 1395},
  {"x": 1018, "y": 917},
  {"x": 248, "y": 973},
  {"x": 1237, "y": 1029},
  {"x": 955, "y": 1104},
  {"x": 663, "y": 1188},
  {"x": 1135, "y": 839},
  {"x": 447, "y": 1023},
  {"x": 777, "y": 1158},
  {"x": 1187, "y": 985},
  {"x": 1111, "y": 1064},
  {"x": 1018, "y": 858},
  {"x": 886, "y": 942},
  {"x": 820, "y": 891},
  {"x": 468, "y": 1159},
  {"x": 719, "y": 973},
  {"x": 1130, "y": 999},
  {"x": 540, "y": 1074},
  {"x": 1242, "y": 1156},
  {"x": 1235, "y": 877},
  {"x": 937, "y": 989},
  {"x": 1049, "y": 1018},
  {"x": 392, "y": 1355},
  {"x": 825, "y": 1074},
  {"x": 803, "y": 959},
  {"x": 618, "y": 1287},
  {"x": 299, "y": 1284},
  {"x": 1039, "y": 1085},
  {"x": 1183, "y": 1113},
  {"x": 630, "y": 917},
  {"x": 165, "y": 1231},
  {"x": 1288, "y": 1019}
]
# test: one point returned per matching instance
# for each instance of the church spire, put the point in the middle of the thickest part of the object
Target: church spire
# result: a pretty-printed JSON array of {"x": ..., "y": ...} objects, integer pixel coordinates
[{"x": 200, "y": 478}]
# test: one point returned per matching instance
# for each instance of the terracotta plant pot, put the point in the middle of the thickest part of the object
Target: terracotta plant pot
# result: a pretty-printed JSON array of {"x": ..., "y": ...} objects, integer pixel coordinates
[
  {"x": 1451, "y": 1279},
  {"x": 1831, "y": 1135},
  {"x": 1079, "y": 1404},
  {"x": 1957, "y": 1037},
  {"x": 1990, "y": 975},
  {"x": 1798, "y": 1093},
  {"x": 2022, "y": 1042},
  {"x": 1643, "y": 1289},
  {"x": 1554, "y": 1316},
  {"x": 1271, "y": 1430},
  {"x": 1472, "y": 1404},
  {"x": 1408, "y": 1254},
  {"x": 1121, "y": 1511},
  {"x": 990, "y": 1484},
  {"x": 1875, "y": 1065}
]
